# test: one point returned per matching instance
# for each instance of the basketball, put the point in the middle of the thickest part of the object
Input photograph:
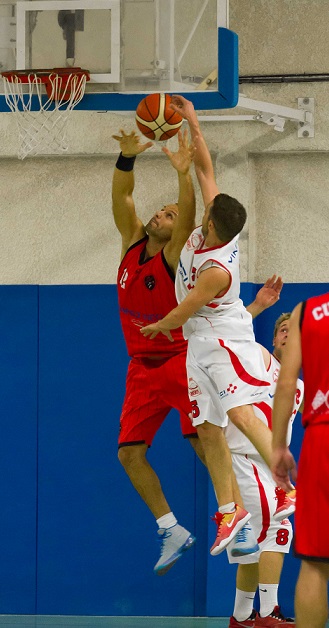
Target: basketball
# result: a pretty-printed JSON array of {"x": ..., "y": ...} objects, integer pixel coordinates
[{"x": 155, "y": 119}]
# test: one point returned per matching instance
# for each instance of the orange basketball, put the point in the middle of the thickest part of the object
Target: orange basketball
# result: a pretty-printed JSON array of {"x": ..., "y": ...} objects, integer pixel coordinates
[{"x": 155, "y": 119}]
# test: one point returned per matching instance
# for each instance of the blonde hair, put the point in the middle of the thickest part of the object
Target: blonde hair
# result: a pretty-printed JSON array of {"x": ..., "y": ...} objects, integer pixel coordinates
[{"x": 283, "y": 317}]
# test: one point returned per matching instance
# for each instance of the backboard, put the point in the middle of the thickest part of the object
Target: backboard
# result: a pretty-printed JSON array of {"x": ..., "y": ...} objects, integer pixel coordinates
[{"x": 130, "y": 47}]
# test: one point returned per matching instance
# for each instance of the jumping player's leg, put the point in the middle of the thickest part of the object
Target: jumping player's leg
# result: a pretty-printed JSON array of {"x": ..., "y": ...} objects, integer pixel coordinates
[
  {"x": 251, "y": 426},
  {"x": 144, "y": 410},
  {"x": 143, "y": 478},
  {"x": 311, "y": 595}
]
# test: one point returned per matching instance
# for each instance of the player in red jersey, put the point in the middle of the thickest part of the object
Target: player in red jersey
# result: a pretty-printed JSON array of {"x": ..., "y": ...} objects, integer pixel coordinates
[
  {"x": 307, "y": 348},
  {"x": 156, "y": 379}
]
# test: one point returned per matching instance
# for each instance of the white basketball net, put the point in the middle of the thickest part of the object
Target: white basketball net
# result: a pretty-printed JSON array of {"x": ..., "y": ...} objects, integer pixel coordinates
[{"x": 43, "y": 131}]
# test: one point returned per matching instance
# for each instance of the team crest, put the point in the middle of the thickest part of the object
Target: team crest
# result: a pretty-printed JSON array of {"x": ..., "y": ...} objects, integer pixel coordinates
[
  {"x": 149, "y": 282},
  {"x": 193, "y": 388},
  {"x": 276, "y": 375}
]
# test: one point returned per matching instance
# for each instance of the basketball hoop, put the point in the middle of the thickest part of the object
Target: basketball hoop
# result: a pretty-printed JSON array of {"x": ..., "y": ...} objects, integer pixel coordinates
[{"x": 42, "y": 117}]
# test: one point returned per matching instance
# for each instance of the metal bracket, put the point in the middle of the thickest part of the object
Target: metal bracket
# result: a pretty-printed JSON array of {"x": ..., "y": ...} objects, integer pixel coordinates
[
  {"x": 273, "y": 115},
  {"x": 306, "y": 127}
]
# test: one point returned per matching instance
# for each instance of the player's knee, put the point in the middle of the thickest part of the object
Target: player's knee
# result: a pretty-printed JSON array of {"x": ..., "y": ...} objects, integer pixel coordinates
[
  {"x": 131, "y": 455},
  {"x": 198, "y": 448},
  {"x": 206, "y": 432}
]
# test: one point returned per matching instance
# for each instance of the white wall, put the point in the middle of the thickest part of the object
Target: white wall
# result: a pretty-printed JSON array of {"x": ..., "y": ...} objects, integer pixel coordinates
[{"x": 56, "y": 211}]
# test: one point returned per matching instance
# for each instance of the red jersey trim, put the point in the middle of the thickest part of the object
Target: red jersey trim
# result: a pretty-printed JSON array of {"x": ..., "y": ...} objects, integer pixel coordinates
[
  {"x": 220, "y": 294},
  {"x": 264, "y": 507},
  {"x": 212, "y": 248},
  {"x": 266, "y": 410},
  {"x": 240, "y": 370}
]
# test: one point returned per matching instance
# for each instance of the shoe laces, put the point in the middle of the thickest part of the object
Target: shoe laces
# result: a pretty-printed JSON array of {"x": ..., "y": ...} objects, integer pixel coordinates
[
  {"x": 163, "y": 535},
  {"x": 280, "y": 496},
  {"x": 276, "y": 613},
  {"x": 218, "y": 518},
  {"x": 242, "y": 535}
]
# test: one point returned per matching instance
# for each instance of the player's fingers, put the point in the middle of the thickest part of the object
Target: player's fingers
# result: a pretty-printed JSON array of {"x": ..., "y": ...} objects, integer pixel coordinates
[
  {"x": 167, "y": 151},
  {"x": 278, "y": 284},
  {"x": 147, "y": 145},
  {"x": 270, "y": 281}
]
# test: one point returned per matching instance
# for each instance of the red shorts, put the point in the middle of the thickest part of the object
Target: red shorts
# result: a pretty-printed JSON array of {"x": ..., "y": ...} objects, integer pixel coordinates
[
  {"x": 312, "y": 497},
  {"x": 153, "y": 388}
]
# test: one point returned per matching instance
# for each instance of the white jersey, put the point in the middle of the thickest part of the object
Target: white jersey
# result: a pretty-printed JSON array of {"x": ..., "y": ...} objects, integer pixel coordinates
[
  {"x": 238, "y": 443},
  {"x": 225, "y": 316}
]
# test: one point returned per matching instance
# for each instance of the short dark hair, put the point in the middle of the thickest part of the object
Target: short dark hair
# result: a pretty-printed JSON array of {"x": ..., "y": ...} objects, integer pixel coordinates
[{"x": 228, "y": 216}]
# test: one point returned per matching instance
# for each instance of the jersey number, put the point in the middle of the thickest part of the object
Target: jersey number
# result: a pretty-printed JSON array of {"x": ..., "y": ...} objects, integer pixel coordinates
[
  {"x": 282, "y": 536},
  {"x": 195, "y": 409}
]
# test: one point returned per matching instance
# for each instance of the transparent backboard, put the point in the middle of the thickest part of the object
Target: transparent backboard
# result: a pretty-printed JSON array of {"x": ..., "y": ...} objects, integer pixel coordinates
[{"x": 130, "y": 47}]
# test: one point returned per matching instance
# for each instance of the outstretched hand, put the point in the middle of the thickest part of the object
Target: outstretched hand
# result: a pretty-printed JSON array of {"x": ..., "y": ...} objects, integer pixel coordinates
[
  {"x": 184, "y": 107},
  {"x": 154, "y": 329},
  {"x": 130, "y": 144},
  {"x": 181, "y": 160},
  {"x": 269, "y": 293}
]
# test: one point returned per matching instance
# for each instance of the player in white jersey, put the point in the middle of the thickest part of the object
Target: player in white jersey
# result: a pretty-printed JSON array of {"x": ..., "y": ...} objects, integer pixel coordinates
[
  {"x": 260, "y": 495},
  {"x": 224, "y": 363}
]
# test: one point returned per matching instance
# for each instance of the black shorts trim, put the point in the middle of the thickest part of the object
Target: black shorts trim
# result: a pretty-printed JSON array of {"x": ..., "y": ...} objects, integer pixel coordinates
[
  {"x": 132, "y": 443},
  {"x": 313, "y": 559},
  {"x": 190, "y": 435}
]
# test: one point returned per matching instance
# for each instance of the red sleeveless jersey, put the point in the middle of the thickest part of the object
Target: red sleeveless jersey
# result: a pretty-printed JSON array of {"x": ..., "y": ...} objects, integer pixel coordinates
[
  {"x": 146, "y": 292},
  {"x": 315, "y": 352}
]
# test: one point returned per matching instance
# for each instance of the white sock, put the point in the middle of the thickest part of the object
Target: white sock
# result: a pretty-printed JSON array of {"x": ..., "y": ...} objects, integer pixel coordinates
[
  {"x": 243, "y": 605},
  {"x": 225, "y": 508},
  {"x": 268, "y": 598},
  {"x": 167, "y": 521}
]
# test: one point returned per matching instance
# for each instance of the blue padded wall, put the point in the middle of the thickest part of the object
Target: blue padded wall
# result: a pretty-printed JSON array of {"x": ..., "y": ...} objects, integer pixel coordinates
[
  {"x": 18, "y": 448},
  {"x": 96, "y": 540},
  {"x": 75, "y": 537}
]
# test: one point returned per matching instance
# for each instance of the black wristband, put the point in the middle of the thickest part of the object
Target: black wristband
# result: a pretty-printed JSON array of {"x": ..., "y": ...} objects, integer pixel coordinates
[{"x": 125, "y": 163}]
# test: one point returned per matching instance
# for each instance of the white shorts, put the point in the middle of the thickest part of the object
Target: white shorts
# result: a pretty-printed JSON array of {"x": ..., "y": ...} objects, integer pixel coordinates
[
  {"x": 258, "y": 493},
  {"x": 223, "y": 374}
]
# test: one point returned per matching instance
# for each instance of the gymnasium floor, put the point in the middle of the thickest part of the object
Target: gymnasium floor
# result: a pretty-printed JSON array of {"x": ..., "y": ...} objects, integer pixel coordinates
[{"x": 43, "y": 621}]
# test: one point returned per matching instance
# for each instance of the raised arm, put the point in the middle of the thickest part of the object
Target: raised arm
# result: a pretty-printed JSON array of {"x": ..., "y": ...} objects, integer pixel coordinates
[
  {"x": 283, "y": 464},
  {"x": 185, "y": 221},
  {"x": 125, "y": 218},
  {"x": 202, "y": 158},
  {"x": 266, "y": 296}
]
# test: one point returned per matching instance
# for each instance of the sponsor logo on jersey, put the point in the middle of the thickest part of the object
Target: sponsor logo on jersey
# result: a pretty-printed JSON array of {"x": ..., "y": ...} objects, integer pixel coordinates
[
  {"x": 231, "y": 388},
  {"x": 319, "y": 312},
  {"x": 320, "y": 399},
  {"x": 149, "y": 282},
  {"x": 222, "y": 394},
  {"x": 233, "y": 255},
  {"x": 193, "y": 388}
]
